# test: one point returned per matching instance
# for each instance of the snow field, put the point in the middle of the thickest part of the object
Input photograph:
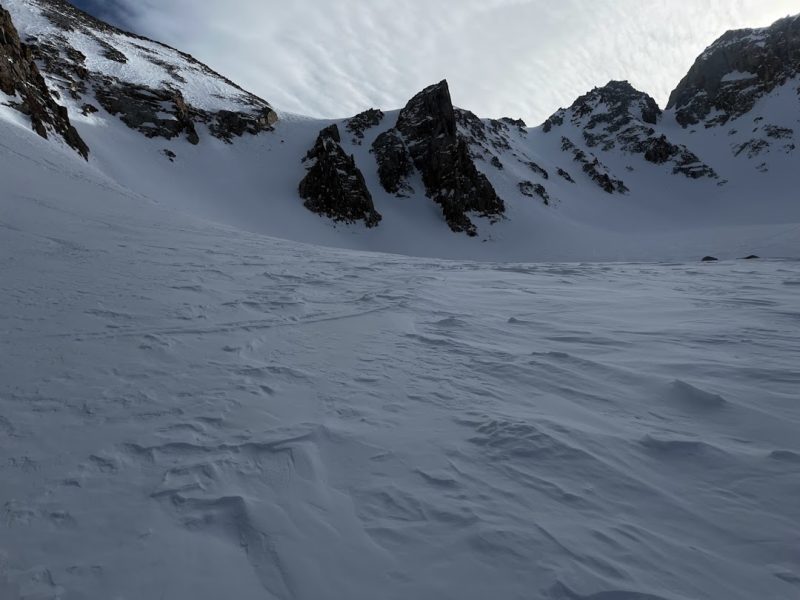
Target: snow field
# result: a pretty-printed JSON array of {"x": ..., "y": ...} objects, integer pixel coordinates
[{"x": 191, "y": 411}]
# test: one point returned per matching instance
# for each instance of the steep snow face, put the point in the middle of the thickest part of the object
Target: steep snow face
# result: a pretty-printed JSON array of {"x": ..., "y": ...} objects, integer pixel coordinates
[{"x": 192, "y": 412}]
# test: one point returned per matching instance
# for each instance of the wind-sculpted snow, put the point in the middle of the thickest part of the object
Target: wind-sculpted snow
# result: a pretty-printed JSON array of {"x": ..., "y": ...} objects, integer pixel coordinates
[{"x": 190, "y": 411}]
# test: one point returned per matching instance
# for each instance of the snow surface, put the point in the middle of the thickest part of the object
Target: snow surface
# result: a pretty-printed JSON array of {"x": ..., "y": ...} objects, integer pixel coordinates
[
  {"x": 192, "y": 408},
  {"x": 738, "y": 76},
  {"x": 189, "y": 411}
]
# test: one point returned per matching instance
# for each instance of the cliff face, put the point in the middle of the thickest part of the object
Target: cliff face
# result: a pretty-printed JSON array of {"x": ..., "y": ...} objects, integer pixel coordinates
[
  {"x": 426, "y": 135},
  {"x": 167, "y": 95},
  {"x": 736, "y": 71},
  {"x": 27, "y": 91},
  {"x": 333, "y": 185}
]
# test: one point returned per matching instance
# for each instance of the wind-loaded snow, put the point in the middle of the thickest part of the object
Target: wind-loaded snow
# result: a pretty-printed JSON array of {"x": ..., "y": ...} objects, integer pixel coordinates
[{"x": 190, "y": 411}]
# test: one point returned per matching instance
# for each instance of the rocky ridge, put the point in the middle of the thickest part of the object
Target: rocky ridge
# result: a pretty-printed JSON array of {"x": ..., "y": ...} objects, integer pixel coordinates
[
  {"x": 594, "y": 169},
  {"x": 736, "y": 71},
  {"x": 618, "y": 116},
  {"x": 26, "y": 89},
  {"x": 497, "y": 140},
  {"x": 463, "y": 161},
  {"x": 155, "y": 104}
]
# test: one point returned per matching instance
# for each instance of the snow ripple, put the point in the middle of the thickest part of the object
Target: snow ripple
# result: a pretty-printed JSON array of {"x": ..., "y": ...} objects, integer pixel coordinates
[{"x": 193, "y": 412}]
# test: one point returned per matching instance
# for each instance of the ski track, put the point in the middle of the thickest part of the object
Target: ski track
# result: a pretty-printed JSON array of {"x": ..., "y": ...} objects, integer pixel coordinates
[{"x": 191, "y": 411}]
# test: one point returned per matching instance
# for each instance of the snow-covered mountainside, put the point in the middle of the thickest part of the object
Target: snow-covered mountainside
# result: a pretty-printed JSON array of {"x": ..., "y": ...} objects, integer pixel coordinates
[
  {"x": 611, "y": 177},
  {"x": 192, "y": 412}
]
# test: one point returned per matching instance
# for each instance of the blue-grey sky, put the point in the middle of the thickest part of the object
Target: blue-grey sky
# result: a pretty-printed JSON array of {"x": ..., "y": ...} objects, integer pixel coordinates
[{"x": 519, "y": 58}]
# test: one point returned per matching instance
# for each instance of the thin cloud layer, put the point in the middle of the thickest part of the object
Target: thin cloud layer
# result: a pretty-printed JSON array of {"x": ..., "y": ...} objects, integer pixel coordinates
[{"x": 519, "y": 58}]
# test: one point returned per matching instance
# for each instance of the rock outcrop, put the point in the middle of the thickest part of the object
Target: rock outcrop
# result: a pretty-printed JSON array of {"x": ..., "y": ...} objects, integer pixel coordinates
[
  {"x": 428, "y": 130},
  {"x": 359, "y": 124},
  {"x": 155, "y": 113},
  {"x": 334, "y": 186},
  {"x": 541, "y": 172},
  {"x": 736, "y": 71},
  {"x": 157, "y": 108},
  {"x": 659, "y": 150},
  {"x": 618, "y": 116},
  {"x": 606, "y": 111},
  {"x": 27, "y": 90},
  {"x": 594, "y": 169},
  {"x": 502, "y": 143},
  {"x": 486, "y": 136},
  {"x": 530, "y": 189},
  {"x": 565, "y": 175},
  {"x": 394, "y": 163},
  {"x": 773, "y": 135},
  {"x": 227, "y": 124}
]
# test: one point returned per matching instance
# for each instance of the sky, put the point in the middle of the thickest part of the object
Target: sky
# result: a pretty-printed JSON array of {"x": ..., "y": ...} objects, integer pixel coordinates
[{"x": 516, "y": 58}]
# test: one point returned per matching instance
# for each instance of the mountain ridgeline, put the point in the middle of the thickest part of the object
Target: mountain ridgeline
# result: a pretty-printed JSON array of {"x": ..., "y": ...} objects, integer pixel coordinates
[{"x": 64, "y": 70}]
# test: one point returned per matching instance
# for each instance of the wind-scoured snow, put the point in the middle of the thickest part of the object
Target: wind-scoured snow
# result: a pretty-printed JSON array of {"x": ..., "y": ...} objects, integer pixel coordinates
[{"x": 189, "y": 411}]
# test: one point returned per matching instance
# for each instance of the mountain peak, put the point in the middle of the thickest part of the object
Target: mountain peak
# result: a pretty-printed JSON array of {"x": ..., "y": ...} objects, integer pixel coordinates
[
  {"x": 617, "y": 115},
  {"x": 735, "y": 71},
  {"x": 428, "y": 129},
  {"x": 432, "y": 107}
]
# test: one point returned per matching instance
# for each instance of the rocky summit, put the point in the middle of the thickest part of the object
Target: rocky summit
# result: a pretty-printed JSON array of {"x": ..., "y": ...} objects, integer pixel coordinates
[
  {"x": 622, "y": 105},
  {"x": 428, "y": 127},
  {"x": 736, "y": 71}
]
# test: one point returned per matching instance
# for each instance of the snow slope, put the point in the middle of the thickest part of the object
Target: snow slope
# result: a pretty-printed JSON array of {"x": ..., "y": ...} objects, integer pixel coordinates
[{"x": 191, "y": 411}]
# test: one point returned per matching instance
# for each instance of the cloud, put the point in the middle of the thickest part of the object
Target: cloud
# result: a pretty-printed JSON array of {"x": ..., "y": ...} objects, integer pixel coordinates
[
  {"x": 514, "y": 58},
  {"x": 117, "y": 12}
]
